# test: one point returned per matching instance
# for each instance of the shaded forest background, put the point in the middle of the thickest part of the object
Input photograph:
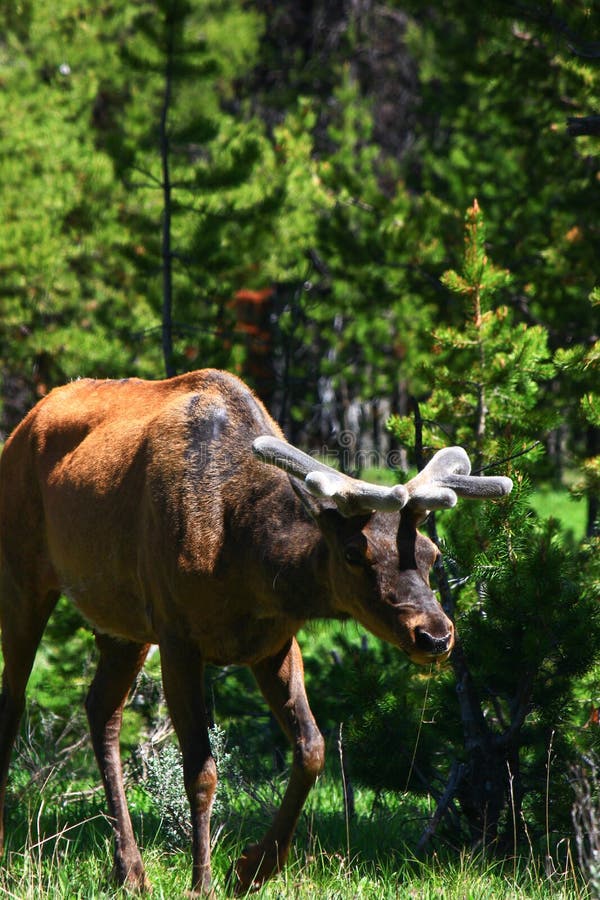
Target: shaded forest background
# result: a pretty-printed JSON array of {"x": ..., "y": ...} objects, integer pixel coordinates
[
  {"x": 278, "y": 188},
  {"x": 384, "y": 216}
]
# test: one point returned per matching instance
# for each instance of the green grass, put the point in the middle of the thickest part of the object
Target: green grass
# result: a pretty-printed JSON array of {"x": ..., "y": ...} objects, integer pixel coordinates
[
  {"x": 80, "y": 867},
  {"x": 53, "y": 853},
  {"x": 560, "y": 504}
]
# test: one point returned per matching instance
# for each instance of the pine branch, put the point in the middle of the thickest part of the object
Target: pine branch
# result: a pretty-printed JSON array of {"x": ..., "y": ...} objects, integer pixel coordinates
[
  {"x": 147, "y": 174},
  {"x": 519, "y": 711}
]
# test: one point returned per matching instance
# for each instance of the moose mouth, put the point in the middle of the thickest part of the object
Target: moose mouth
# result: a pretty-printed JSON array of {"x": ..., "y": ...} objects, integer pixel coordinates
[{"x": 427, "y": 659}]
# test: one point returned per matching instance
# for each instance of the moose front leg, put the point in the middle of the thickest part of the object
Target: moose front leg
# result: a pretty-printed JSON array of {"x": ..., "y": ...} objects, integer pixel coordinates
[
  {"x": 120, "y": 662},
  {"x": 183, "y": 682},
  {"x": 281, "y": 680}
]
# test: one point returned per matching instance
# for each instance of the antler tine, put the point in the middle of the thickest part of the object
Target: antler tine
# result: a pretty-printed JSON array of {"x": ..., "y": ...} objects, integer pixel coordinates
[
  {"x": 350, "y": 495},
  {"x": 447, "y": 477}
]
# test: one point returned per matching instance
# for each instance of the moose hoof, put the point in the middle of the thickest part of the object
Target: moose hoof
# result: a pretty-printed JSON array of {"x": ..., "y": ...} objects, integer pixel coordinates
[
  {"x": 253, "y": 868},
  {"x": 201, "y": 893},
  {"x": 133, "y": 879}
]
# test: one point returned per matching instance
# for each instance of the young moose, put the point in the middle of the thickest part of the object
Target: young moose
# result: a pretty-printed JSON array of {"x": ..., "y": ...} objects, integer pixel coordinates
[{"x": 151, "y": 506}]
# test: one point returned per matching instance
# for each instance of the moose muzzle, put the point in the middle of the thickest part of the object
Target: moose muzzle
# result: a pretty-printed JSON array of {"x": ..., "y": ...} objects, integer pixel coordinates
[{"x": 432, "y": 639}]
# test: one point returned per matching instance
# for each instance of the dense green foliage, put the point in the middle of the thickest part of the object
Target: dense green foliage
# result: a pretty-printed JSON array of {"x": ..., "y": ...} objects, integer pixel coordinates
[
  {"x": 520, "y": 590},
  {"x": 275, "y": 159},
  {"x": 158, "y": 157}
]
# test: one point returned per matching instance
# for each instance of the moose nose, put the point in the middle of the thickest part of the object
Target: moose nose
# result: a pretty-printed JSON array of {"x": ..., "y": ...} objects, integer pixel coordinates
[{"x": 431, "y": 645}]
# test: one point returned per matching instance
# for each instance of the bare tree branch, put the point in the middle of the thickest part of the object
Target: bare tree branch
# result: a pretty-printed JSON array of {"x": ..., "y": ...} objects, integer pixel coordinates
[
  {"x": 167, "y": 306},
  {"x": 456, "y": 775},
  {"x": 554, "y": 23},
  {"x": 578, "y": 126},
  {"x": 500, "y": 462}
]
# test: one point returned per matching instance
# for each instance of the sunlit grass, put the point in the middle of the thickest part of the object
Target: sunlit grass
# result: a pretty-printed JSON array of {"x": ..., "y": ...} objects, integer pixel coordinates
[
  {"x": 80, "y": 872},
  {"x": 560, "y": 504},
  {"x": 367, "y": 857}
]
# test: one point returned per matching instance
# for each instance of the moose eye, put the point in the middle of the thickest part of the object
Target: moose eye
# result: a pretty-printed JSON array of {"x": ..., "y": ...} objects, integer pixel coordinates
[{"x": 354, "y": 556}]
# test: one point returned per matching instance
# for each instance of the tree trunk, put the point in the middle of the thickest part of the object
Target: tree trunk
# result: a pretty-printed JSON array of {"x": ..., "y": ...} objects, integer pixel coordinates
[
  {"x": 593, "y": 502},
  {"x": 167, "y": 256}
]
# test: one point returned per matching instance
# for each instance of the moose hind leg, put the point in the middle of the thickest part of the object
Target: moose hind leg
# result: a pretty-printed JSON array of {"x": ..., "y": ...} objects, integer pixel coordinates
[
  {"x": 281, "y": 680},
  {"x": 120, "y": 662},
  {"x": 23, "y": 619},
  {"x": 183, "y": 682}
]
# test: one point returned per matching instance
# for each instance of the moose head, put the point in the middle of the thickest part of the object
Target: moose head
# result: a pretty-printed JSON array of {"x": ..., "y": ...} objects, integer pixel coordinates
[{"x": 380, "y": 562}]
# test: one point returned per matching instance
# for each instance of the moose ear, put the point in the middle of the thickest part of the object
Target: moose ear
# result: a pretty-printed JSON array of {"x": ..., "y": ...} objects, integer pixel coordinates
[
  {"x": 413, "y": 517},
  {"x": 326, "y": 514},
  {"x": 337, "y": 527}
]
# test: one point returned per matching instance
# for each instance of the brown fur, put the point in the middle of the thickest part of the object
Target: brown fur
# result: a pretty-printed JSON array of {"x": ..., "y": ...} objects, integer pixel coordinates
[{"x": 143, "y": 502}]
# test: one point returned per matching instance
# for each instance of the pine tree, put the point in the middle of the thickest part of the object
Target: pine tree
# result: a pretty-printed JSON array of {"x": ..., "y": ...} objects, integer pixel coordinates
[
  {"x": 581, "y": 365},
  {"x": 514, "y": 585},
  {"x": 69, "y": 306},
  {"x": 487, "y": 372},
  {"x": 194, "y": 169}
]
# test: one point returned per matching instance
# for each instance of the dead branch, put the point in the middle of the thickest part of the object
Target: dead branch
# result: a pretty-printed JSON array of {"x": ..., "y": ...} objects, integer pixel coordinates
[
  {"x": 456, "y": 775},
  {"x": 578, "y": 126}
]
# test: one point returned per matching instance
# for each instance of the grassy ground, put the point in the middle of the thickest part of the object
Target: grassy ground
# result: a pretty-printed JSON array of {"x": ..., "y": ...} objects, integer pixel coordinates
[
  {"x": 57, "y": 850},
  {"x": 80, "y": 861}
]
